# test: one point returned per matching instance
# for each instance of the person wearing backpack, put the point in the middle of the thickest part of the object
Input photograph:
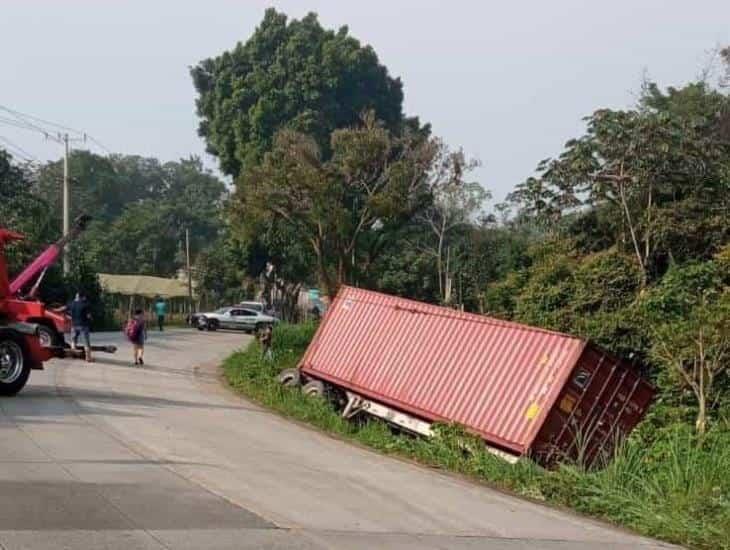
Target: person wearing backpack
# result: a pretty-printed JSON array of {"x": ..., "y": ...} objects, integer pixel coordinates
[{"x": 136, "y": 332}]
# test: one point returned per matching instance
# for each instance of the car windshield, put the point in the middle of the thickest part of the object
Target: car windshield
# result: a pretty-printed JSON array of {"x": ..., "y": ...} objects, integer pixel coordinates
[{"x": 222, "y": 310}]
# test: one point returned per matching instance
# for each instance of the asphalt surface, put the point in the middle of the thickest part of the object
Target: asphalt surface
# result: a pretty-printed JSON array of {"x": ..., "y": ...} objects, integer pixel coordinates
[{"x": 109, "y": 456}]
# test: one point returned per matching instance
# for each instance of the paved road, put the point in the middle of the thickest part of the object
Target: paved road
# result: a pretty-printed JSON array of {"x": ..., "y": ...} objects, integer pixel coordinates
[{"x": 112, "y": 457}]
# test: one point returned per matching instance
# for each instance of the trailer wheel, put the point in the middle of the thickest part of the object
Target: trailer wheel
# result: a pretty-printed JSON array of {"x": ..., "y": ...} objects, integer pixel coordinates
[
  {"x": 315, "y": 388},
  {"x": 290, "y": 378},
  {"x": 14, "y": 366}
]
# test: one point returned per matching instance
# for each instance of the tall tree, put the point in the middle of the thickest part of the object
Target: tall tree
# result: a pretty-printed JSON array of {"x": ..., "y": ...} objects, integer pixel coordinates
[
  {"x": 650, "y": 168},
  {"x": 289, "y": 74},
  {"x": 142, "y": 232},
  {"x": 455, "y": 202},
  {"x": 21, "y": 210},
  {"x": 343, "y": 205},
  {"x": 97, "y": 187}
]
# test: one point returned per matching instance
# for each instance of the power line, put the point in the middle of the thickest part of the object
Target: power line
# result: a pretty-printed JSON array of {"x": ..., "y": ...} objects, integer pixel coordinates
[
  {"x": 31, "y": 122},
  {"x": 25, "y": 155},
  {"x": 98, "y": 143},
  {"x": 27, "y": 123},
  {"x": 38, "y": 119},
  {"x": 24, "y": 126},
  {"x": 24, "y": 121}
]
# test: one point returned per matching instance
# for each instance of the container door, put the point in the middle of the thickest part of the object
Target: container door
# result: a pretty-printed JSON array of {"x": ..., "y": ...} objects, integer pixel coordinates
[{"x": 601, "y": 403}]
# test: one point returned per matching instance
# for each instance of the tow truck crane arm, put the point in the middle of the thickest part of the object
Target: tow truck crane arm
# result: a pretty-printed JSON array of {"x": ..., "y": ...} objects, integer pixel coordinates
[
  {"x": 19, "y": 304},
  {"x": 46, "y": 259}
]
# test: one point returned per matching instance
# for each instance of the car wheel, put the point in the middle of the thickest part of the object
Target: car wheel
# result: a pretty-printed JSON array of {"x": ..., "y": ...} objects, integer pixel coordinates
[
  {"x": 212, "y": 324},
  {"x": 14, "y": 366}
]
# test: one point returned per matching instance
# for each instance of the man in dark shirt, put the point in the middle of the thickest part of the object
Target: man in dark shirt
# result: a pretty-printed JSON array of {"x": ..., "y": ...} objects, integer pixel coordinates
[{"x": 80, "y": 312}]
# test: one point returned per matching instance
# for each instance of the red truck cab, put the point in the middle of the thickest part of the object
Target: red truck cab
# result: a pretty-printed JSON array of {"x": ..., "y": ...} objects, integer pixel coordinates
[{"x": 20, "y": 344}]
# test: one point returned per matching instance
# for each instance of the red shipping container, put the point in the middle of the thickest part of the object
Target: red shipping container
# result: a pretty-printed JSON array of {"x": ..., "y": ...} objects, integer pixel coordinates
[{"x": 524, "y": 390}]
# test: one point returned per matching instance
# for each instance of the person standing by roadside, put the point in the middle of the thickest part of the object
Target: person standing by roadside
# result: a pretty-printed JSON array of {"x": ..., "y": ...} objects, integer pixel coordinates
[
  {"x": 161, "y": 311},
  {"x": 136, "y": 332},
  {"x": 80, "y": 312},
  {"x": 265, "y": 337}
]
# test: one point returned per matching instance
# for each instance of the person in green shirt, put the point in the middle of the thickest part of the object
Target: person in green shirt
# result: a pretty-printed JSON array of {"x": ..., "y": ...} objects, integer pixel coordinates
[{"x": 161, "y": 310}]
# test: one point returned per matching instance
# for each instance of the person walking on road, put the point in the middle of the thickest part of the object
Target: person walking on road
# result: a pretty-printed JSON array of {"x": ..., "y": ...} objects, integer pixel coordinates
[
  {"x": 80, "y": 312},
  {"x": 136, "y": 332},
  {"x": 161, "y": 311},
  {"x": 265, "y": 337}
]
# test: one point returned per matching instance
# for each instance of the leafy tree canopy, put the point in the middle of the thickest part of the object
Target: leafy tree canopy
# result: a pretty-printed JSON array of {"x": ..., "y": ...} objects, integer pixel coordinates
[
  {"x": 656, "y": 179},
  {"x": 342, "y": 207},
  {"x": 290, "y": 74},
  {"x": 21, "y": 210}
]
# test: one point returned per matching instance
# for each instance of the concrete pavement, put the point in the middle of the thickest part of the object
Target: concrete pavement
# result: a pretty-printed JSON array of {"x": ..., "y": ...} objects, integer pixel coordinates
[{"x": 109, "y": 456}]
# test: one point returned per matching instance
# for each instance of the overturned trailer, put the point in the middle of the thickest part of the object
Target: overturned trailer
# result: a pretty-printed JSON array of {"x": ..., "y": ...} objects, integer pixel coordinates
[{"x": 524, "y": 390}]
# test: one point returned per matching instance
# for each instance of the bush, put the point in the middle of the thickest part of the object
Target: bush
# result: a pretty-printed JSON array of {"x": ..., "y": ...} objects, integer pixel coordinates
[
  {"x": 681, "y": 289},
  {"x": 546, "y": 299},
  {"x": 605, "y": 281}
]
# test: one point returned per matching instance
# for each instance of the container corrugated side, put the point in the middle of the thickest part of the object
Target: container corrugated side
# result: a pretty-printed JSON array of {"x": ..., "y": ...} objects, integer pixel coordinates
[{"x": 498, "y": 379}]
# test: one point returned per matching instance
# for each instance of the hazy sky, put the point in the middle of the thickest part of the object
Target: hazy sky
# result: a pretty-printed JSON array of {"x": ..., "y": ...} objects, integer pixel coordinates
[{"x": 507, "y": 80}]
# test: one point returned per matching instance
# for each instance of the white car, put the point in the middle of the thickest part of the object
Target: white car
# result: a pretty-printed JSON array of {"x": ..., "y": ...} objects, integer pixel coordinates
[
  {"x": 234, "y": 317},
  {"x": 256, "y": 306}
]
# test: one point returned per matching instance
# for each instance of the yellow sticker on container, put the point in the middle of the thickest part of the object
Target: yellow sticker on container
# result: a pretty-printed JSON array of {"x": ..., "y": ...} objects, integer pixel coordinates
[{"x": 532, "y": 411}]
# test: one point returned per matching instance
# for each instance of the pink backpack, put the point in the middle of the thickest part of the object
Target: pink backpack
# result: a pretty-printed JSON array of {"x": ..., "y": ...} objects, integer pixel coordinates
[{"x": 132, "y": 329}]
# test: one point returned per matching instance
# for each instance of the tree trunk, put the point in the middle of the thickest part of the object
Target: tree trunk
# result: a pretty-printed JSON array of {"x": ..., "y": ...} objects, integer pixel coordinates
[
  {"x": 325, "y": 280},
  {"x": 634, "y": 238},
  {"x": 439, "y": 268},
  {"x": 647, "y": 236},
  {"x": 701, "y": 424}
]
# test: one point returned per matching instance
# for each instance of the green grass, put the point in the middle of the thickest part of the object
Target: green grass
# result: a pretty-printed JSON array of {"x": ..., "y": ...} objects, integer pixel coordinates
[{"x": 666, "y": 485}]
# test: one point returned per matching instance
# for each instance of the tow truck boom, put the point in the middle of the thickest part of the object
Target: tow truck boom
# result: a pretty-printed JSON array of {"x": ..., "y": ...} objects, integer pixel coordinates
[{"x": 47, "y": 258}]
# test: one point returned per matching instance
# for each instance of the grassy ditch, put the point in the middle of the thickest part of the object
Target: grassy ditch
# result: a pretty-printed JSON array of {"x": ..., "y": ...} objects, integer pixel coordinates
[{"x": 665, "y": 485}]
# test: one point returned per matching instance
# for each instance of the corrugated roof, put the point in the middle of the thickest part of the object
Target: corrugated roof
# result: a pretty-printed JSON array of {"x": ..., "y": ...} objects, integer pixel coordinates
[{"x": 143, "y": 285}]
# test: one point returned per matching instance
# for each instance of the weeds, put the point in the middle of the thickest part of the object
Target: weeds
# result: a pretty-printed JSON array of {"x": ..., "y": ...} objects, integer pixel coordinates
[{"x": 672, "y": 486}]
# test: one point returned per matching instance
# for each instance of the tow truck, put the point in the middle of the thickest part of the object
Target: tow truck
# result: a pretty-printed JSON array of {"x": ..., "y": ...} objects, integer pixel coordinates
[{"x": 30, "y": 332}]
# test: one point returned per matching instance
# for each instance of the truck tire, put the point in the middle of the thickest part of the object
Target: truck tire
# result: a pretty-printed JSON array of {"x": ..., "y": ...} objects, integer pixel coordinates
[
  {"x": 290, "y": 378},
  {"x": 47, "y": 336},
  {"x": 314, "y": 388},
  {"x": 14, "y": 365}
]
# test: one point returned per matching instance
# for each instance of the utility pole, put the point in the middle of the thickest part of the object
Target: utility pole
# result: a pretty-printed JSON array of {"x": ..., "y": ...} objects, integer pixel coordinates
[
  {"x": 66, "y": 206},
  {"x": 65, "y": 140},
  {"x": 187, "y": 261}
]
